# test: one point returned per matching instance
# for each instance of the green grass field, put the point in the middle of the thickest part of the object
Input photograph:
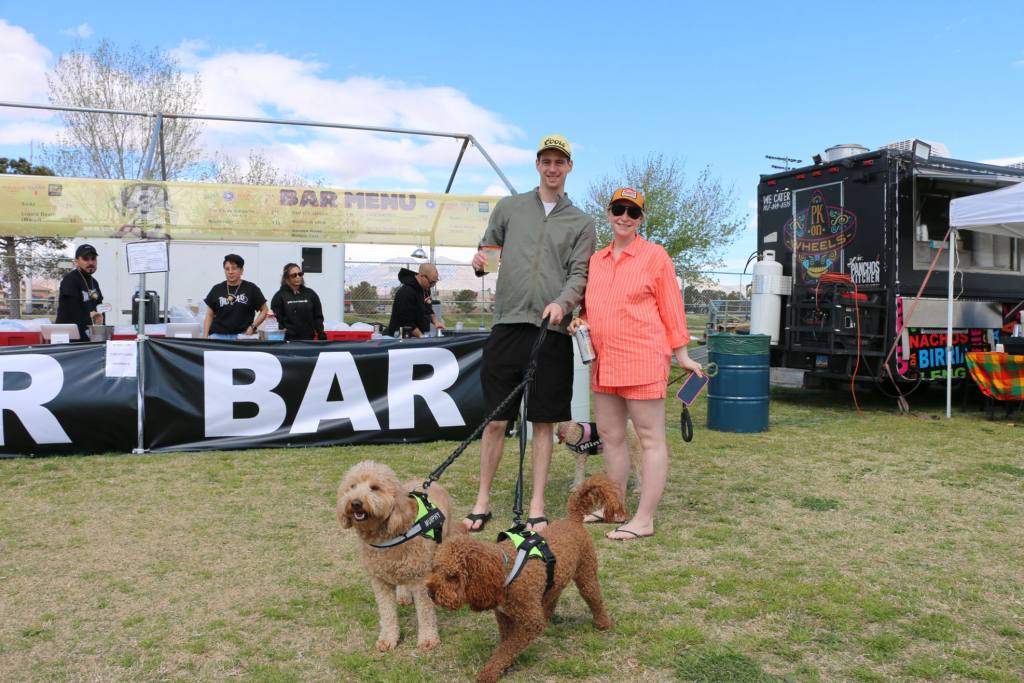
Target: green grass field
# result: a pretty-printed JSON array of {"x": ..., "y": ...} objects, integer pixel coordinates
[{"x": 834, "y": 547}]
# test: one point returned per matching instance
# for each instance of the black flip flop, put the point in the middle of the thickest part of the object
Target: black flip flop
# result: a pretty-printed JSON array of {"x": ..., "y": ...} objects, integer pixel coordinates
[
  {"x": 634, "y": 534},
  {"x": 536, "y": 520},
  {"x": 474, "y": 517}
]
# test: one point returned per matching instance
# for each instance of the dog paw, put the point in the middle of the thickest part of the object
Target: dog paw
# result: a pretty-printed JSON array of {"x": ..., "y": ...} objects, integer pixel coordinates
[
  {"x": 486, "y": 676},
  {"x": 428, "y": 644},
  {"x": 385, "y": 644},
  {"x": 604, "y": 623}
]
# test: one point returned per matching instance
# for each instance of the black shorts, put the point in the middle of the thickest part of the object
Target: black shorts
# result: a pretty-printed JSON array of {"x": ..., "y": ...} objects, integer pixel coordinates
[{"x": 505, "y": 357}]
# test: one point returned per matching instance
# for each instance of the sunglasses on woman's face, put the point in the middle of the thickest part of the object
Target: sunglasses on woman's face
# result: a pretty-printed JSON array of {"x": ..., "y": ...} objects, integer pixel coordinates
[
  {"x": 297, "y": 273},
  {"x": 634, "y": 211}
]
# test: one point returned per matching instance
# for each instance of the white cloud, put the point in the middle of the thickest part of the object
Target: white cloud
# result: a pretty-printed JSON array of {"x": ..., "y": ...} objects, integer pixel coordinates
[
  {"x": 276, "y": 86},
  {"x": 80, "y": 31},
  {"x": 25, "y": 63},
  {"x": 263, "y": 84}
]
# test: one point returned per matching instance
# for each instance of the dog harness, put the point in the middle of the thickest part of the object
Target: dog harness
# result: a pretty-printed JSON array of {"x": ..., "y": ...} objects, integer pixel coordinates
[
  {"x": 529, "y": 544},
  {"x": 429, "y": 523},
  {"x": 589, "y": 442}
]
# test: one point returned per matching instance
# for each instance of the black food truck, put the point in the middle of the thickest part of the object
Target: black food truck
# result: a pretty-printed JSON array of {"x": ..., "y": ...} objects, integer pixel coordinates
[{"x": 855, "y": 235}]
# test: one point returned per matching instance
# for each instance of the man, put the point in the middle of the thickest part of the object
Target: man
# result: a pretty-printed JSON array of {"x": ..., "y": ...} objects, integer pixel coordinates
[
  {"x": 80, "y": 293},
  {"x": 546, "y": 244},
  {"x": 413, "y": 306}
]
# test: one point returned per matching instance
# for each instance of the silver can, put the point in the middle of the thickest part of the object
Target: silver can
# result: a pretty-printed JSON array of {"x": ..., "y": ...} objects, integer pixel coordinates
[{"x": 586, "y": 346}]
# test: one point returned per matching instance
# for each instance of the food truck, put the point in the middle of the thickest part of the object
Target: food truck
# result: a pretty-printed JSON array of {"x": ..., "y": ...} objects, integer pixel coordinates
[{"x": 845, "y": 246}]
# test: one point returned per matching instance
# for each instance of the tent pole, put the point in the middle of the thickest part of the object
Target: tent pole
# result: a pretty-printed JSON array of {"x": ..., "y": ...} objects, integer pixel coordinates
[{"x": 949, "y": 326}]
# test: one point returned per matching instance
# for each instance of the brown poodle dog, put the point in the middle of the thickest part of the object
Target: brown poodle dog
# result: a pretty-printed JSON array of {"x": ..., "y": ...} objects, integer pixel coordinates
[
  {"x": 468, "y": 571},
  {"x": 572, "y": 432},
  {"x": 372, "y": 500}
]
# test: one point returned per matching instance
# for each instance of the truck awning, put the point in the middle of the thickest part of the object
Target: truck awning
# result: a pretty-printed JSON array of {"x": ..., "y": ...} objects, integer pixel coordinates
[{"x": 967, "y": 176}]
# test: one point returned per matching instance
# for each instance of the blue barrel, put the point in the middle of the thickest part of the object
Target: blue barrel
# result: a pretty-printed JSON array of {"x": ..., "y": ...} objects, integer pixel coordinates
[{"x": 738, "y": 391}]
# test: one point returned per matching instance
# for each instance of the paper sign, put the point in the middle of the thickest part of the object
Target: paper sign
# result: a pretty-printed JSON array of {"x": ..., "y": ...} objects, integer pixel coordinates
[
  {"x": 121, "y": 358},
  {"x": 146, "y": 256},
  {"x": 60, "y": 338},
  {"x": 183, "y": 335}
]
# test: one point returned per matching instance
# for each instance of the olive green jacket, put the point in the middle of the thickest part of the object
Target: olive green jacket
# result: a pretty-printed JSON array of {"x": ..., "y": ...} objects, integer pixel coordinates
[{"x": 544, "y": 259}]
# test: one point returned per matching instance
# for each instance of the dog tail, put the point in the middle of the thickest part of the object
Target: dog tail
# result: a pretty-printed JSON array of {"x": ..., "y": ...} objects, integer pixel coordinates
[{"x": 597, "y": 492}]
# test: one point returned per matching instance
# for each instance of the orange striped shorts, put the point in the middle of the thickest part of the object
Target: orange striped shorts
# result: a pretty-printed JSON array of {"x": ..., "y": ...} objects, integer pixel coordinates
[{"x": 639, "y": 392}]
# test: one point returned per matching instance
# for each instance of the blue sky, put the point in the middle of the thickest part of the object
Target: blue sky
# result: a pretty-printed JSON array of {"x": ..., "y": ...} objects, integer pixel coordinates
[{"x": 717, "y": 85}]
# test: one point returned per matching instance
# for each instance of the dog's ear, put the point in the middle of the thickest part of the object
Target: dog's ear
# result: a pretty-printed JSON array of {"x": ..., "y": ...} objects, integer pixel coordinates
[
  {"x": 484, "y": 580},
  {"x": 343, "y": 519},
  {"x": 403, "y": 514}
]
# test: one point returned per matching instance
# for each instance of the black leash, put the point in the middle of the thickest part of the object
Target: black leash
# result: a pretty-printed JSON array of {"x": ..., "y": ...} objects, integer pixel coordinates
[
  {"x": 531, "y": 369},
  {"x": 521, "y": 387}
]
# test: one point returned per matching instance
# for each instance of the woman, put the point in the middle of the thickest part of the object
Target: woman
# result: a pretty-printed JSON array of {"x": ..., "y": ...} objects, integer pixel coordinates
[
  {"x": 231, "y": 305},
  {"x": 635, "y": 311},
  {"x": 297, "y": 307}
]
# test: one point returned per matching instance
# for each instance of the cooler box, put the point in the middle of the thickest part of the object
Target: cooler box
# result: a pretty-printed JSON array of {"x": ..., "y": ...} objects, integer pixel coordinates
[
  {"x": 20, "y": 338},
  {"x": 348, "y": 335}
]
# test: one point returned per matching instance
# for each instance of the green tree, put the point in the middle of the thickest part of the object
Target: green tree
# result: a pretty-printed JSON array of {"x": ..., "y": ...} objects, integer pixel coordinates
[
  {"x": 465, "y": 300},
  {"x": 695, "y": 222},
  {"x": 111, "y": 146},
  {"x": 26, "y": 256},
  {"x": 364, "y": 298}
]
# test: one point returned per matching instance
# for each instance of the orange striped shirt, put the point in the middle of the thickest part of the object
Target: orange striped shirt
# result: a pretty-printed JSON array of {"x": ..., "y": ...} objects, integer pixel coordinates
[{"x": 636, "y": 316}]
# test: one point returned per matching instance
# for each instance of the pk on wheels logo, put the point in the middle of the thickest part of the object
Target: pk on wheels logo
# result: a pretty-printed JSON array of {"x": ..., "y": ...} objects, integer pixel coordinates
[{"x": 818, "y": 233}]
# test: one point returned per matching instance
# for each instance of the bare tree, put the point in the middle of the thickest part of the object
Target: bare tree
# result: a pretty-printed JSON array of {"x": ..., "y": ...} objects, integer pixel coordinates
[
  {"x": 258, "y": 170},
  {"x": 694, "y": 222},
  {"x": 26, "y": 256},
  {"x": 113, "y": 146}
]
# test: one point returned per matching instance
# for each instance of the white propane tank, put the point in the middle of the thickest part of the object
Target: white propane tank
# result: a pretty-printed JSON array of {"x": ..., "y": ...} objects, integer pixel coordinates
[{"x": 766, "y": 297}]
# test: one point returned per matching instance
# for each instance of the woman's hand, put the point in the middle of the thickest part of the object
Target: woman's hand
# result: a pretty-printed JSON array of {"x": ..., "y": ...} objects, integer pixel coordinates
[
  {"x": 574, "y": 325},
  {"x": 687, "y": 363}
]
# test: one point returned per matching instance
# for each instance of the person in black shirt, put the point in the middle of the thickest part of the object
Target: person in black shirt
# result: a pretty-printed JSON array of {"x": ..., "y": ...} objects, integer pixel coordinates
[
  {"x": 80, "y": 293},
  {"x": 297, "y": 307},
  {"x": 232, "y": 304},
  {"x": 413, "y": 306}
]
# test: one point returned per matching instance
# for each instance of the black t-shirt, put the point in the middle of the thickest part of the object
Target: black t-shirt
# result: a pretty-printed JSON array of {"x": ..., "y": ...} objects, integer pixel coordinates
[
  {"x": 79, "y": 295},
  {"x": 234, "y": 316}
]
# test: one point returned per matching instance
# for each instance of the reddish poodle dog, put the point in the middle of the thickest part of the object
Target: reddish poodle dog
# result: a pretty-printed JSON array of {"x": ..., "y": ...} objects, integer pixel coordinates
[{"x": 468, "y": 571}]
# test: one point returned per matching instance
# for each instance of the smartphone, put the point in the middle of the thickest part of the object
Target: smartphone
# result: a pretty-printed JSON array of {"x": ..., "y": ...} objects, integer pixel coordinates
[{"x": 691, "y": 388}]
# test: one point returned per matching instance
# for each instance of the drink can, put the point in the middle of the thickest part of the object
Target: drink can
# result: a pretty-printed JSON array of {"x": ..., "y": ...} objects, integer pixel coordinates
[{"x": 586, "y": 346}]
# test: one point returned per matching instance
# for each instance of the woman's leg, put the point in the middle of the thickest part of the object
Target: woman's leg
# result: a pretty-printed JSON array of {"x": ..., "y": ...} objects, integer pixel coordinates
[
  {"x": 610, "y": 412},
  {"x": 649, "y": 421}
]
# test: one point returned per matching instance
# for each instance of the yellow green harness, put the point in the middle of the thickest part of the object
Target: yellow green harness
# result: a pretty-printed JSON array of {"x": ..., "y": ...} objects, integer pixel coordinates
[{"x": 429, "y": 523}]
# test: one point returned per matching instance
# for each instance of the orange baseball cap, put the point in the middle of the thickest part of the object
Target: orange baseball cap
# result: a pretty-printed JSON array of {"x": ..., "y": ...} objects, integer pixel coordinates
[
  {"x": 555, "y": 142},
  {"x": 628, "y": 194}
]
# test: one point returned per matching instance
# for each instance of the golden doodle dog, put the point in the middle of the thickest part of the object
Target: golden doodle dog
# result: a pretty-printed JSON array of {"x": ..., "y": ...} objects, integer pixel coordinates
[
  {"x": 471, "y": 572},
  {"x": 582, "y": 440},
  {"x": 379, "y": 507}
]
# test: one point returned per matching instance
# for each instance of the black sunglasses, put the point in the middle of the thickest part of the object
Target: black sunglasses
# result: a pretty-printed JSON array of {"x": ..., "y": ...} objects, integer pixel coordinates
[
  {"x": 634, "y": 211},
  {"x": 297, "y": 273}
]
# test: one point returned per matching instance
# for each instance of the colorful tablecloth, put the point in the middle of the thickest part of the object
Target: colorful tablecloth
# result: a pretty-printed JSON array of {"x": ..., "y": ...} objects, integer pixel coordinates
[{"x": 998, "y": 375}]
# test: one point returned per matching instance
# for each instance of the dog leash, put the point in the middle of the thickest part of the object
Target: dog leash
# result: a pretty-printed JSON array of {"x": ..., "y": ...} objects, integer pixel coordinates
[
  {"x": 531, "y": 368},
  {"x": 527, "y": 543}
]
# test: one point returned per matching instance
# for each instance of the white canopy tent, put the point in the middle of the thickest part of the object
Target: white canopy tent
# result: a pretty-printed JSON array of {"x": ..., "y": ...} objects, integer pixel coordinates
[{"x": 999, "y": 212}]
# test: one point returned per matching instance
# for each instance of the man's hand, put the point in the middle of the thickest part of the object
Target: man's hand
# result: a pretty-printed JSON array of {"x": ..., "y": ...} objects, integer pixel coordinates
[
  {"x": 479, "y": 260},
  {"x": 554, "y": 314}
]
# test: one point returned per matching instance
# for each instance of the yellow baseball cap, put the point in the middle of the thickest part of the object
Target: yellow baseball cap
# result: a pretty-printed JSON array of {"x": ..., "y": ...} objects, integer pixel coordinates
[
  {"x": 555, "y": 142},
  {"x": 628, "y": 194}
]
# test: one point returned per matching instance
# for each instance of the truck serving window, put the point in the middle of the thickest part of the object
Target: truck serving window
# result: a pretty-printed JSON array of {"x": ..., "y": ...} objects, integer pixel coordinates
[{"x": 977, "y": 252}]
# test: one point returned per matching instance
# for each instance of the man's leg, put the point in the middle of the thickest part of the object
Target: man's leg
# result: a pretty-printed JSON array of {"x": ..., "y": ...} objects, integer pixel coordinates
[
  {"x": 492, "y": 444},
  {"x": 543, "y": 435}
]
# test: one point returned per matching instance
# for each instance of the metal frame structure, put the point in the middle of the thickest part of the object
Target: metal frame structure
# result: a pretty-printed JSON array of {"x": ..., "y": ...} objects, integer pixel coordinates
[{"x": 156, "y": 143}]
